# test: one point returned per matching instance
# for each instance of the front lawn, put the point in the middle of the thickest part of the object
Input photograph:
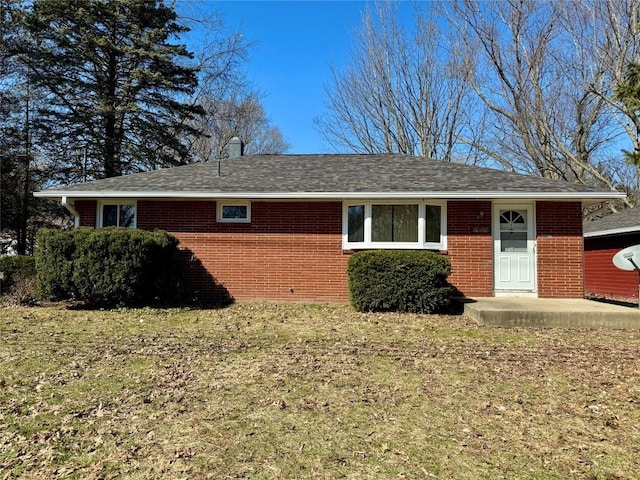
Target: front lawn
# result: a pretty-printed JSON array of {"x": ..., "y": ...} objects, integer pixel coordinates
[{"x": 291, "y": 391}]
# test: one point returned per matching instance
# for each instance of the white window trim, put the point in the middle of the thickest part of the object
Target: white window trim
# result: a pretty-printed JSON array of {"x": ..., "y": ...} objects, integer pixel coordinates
[
  {"x": 420, "y": 244},
  {"x": 221, "y": 204},
  {"x": 116, "y": 201}
]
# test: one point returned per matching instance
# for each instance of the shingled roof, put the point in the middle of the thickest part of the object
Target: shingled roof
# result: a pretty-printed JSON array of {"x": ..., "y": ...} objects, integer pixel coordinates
[
  {"x": 626, "y": 221},
  {"x": 328, "y": 176}
]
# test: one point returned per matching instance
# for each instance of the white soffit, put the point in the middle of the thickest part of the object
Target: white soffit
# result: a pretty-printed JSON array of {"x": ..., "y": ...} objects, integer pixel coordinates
[{"x": 59, "y": 194}]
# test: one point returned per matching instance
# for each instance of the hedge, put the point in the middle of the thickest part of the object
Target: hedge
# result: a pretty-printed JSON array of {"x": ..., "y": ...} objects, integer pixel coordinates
[
  {"x": 106, "y": 267},
  {"x": 15, "y": 268},
  {"x": 400, "y": 281}
]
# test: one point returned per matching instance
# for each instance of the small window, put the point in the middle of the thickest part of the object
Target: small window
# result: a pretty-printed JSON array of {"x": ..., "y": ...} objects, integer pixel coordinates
[
  {"x": 117, "y": 215},
  {"x": 234, "y": 212}
]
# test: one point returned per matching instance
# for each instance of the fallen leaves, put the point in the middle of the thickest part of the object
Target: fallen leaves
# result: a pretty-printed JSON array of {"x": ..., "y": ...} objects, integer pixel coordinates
[{"x": 294, "y": 391}]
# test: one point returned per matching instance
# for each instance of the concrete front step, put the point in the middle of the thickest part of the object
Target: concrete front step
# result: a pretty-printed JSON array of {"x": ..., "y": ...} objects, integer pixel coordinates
[{"x": 550, "y": 312}]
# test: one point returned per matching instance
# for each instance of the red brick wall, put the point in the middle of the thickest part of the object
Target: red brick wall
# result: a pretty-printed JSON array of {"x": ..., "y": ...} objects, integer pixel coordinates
[
  {"x": 470, "y": 247},
  {"x": 293, "y": 250},
  {"x": 560, "y": 250},
  {"x": 602, "y": 279},
  {"x": 87, "y": 210},
  {"x": 290, "y": 251}
]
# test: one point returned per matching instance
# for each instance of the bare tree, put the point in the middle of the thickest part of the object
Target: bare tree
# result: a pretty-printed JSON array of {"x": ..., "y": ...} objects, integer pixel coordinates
[
  {"x": 218, "y": 52},
  {"x": 525, "y": 85},
  {"x": 243, "y": 117},
  {"x": 555, "y": 64},
  {"x": 402, "y": 92},
  {"x": 231, "y": 107},
  {"x": 605, "y": 39},
  {"x": 543, "y": 123}
]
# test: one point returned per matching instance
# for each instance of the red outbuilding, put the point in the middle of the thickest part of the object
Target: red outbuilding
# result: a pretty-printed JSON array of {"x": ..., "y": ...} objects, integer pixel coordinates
[{"x": 603, "y": 238}]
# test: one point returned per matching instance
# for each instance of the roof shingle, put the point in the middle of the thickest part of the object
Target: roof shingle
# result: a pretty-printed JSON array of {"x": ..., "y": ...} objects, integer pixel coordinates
[
  {"x": 625, "y": 221},
  {"x": 324, "y": 174}
]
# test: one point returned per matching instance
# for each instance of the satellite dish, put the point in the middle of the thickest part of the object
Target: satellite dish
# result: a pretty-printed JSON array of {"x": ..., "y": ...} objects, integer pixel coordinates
[{"x": 628, "y": 258}]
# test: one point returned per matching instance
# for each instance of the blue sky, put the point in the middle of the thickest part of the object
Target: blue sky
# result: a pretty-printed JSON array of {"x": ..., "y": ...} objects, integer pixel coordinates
[{"x": 296, "y": 42}]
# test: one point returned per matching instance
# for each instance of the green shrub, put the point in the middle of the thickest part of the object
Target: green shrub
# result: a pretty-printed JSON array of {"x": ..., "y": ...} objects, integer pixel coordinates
[
  {"x": 106, "y": 267},
  {"x": 55, "y": 254},
  {"x": 400, "y": 281},
  {"x": 15, "y": 269}
]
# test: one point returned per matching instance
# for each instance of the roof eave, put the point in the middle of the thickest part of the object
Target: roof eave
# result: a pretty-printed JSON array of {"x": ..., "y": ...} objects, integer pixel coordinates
[
  {"x": 612, "y": 231},
  {"x": 582, "y": 196}
]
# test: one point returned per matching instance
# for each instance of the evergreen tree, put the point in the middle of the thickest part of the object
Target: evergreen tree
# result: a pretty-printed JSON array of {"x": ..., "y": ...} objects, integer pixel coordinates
[
  {"x": 21, "y": 169},
  {"x": 15, "y": 171},
  {"x": 628, "y": 93},
  {"x": 118, "y": 83}
]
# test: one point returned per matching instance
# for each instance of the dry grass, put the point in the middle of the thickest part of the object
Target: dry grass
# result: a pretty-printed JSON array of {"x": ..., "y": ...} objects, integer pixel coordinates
[{"x": 273, "y": 391}]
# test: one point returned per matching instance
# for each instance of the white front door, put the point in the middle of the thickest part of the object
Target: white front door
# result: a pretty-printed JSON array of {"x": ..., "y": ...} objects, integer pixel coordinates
[{"x": 514, "y": 249}]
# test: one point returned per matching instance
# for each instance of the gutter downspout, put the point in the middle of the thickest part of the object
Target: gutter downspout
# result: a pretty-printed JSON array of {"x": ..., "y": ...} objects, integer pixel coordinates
[{"x": 72, "y": 209}]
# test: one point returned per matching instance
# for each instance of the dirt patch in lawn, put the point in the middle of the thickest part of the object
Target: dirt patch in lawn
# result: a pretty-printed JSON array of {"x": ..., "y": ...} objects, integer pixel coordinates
[{"x": 293, "y": 391}]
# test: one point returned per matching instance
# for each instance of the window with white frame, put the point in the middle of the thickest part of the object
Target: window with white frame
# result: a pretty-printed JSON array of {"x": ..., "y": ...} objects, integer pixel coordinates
[
  {"x": 117, "y": 214},
  {"x": 239, "y": 212},
  {"x": 394, "y": 224}
]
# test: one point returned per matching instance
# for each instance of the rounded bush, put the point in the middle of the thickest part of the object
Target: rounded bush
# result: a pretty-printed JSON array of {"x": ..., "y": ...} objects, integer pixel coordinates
[
  {"x": 106, "y": 267},
  {"x": 399, "y": 281}
]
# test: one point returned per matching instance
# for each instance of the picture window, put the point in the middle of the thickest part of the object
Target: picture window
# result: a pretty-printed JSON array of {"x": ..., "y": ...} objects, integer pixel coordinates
[{"x": 379, "y": 224}]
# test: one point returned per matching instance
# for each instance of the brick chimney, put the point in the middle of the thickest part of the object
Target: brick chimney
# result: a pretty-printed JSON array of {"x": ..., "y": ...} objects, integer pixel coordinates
[{"x": 236, "y": 147}]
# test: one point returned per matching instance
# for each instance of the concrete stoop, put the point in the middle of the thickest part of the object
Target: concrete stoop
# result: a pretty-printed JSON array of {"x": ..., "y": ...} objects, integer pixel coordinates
[{"x": 547, "y": 312}]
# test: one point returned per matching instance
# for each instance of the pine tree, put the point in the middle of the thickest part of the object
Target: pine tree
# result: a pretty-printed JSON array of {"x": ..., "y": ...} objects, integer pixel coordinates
[
  {"x": 628, "y": 93},
  {"x": 118, "y": 83}
]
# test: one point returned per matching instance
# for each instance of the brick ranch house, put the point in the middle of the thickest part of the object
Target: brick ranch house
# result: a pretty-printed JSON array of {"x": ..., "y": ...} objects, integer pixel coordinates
[
  {"x": 603, "y": 238},
  {"x": 282, "y": 227}
]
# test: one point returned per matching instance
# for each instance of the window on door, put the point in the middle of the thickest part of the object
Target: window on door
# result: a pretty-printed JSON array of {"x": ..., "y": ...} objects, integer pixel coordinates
[{"x": 513, "y": 231}]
